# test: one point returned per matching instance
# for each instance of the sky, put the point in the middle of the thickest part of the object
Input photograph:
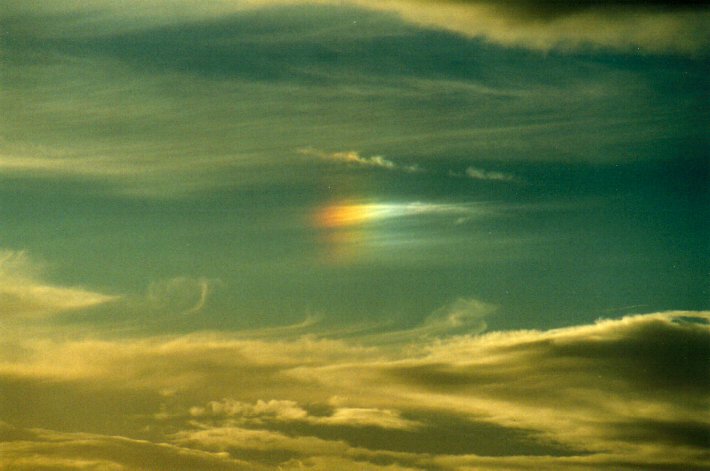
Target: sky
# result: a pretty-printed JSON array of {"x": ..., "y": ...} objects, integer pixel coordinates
[{"x": 355, "y": 235}]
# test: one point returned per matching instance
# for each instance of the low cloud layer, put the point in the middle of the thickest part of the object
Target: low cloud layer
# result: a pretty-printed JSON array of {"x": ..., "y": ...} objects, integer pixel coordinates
[{"x": 629, "y": 392}]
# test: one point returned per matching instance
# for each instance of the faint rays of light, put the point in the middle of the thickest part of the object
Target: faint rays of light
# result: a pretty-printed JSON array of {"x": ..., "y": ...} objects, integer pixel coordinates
[
  {"x": 344, "y": 215},
  {"x": 351, "y": 229},
  {"x": 347, "y": 214}
]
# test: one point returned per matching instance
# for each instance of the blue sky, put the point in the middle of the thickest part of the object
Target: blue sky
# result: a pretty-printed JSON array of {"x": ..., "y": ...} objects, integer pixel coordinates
[{"x": 354, "y": 235}]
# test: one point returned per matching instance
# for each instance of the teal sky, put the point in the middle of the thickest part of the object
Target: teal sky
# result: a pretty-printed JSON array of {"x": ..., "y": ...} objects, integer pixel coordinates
[{"x": 354, "y": 235}]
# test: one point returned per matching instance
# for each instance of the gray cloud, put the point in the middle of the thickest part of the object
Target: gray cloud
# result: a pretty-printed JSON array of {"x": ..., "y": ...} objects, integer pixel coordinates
[{"x": 476, "y": 173}]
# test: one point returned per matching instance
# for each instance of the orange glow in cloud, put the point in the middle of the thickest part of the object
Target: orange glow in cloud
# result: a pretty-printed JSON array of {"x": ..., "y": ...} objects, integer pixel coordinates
[
  {"x": 345, "y": 228},
  {"x": 345, "y": 215},
  {"x": 334, "y": 216}
]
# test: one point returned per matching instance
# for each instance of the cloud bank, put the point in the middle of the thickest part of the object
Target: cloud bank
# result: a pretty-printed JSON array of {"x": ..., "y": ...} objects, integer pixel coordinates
[{"x": 629, "y": 392}]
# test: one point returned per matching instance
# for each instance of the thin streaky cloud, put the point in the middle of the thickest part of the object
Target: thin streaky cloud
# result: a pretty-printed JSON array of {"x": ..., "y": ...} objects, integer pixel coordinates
[
  {"x": 476, "y": 173},
  {"x": 354, "y": 158},
  {"x": 24, "y": 294}
]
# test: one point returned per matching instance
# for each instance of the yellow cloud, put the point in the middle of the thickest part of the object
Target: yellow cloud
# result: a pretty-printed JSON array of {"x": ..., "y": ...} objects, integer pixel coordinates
[
  {"x": 630, "y": 390},
  {"x": 23, "y": 294},
  {"x": 532, "y": 25}
]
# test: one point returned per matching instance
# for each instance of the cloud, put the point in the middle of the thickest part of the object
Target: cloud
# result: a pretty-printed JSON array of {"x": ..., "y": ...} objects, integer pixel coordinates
[
  {"x": 355, "y": 159},
  {"x": 463, "y": 316},
  {"x": 180, "y": 295},
  {"x": 226, "y": 438},
  {"x": 480, "y": 174},
  {"x": 51, "y": 450},
  {"x": 622, "y": 392},
  {"x": 656, "y": 27},
  {"x": 290, "y": 411},
  {"x": 24, "y": 294},
  {"x": 356, "y": 214}
]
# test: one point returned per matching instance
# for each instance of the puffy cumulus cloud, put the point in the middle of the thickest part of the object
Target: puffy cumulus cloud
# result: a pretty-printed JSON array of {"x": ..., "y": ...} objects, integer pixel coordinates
[
  {"x": 24, "y": 294},
  {"x": 629, "y": 392}
]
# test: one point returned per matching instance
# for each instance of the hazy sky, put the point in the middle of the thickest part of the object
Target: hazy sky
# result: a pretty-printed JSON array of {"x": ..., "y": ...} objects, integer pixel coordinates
[{"x": 367, "y": 235}]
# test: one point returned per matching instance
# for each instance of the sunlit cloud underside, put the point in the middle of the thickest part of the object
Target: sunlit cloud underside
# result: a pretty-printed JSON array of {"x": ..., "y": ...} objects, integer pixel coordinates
[{"x": 570, "y": 398}]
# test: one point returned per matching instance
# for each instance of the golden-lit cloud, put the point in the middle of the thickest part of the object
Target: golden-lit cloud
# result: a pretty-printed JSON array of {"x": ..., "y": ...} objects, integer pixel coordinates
[
  {"x": 22, "y": 449},
  {"x": 290, "y": 411},
  {"x": 24, "y": 294},
  {"x": 630, "y": 390},
  {"x": 656, "y": 27}
]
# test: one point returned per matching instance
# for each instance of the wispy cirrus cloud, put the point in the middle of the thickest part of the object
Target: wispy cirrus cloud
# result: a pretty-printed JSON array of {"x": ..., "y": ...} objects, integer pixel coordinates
[
  {"x": 24, "y": 294},
  {"x": 480, "y": 174},
  {"x": 355, "y": 159},
  {"x": 179, "y": 295},
  {"x": 657, "y": 26}
]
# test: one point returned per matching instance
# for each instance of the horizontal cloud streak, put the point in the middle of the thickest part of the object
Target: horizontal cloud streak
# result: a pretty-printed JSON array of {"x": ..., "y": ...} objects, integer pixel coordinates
[
  {"x": 657, "y": 27},
  {"x": 480, "y": 174},
  {"x": 290, "y": 411},
  {"x": 650, "y": 26},
  {"x": 23, "y": 293},
  {"x": 354, "y": 158}
]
